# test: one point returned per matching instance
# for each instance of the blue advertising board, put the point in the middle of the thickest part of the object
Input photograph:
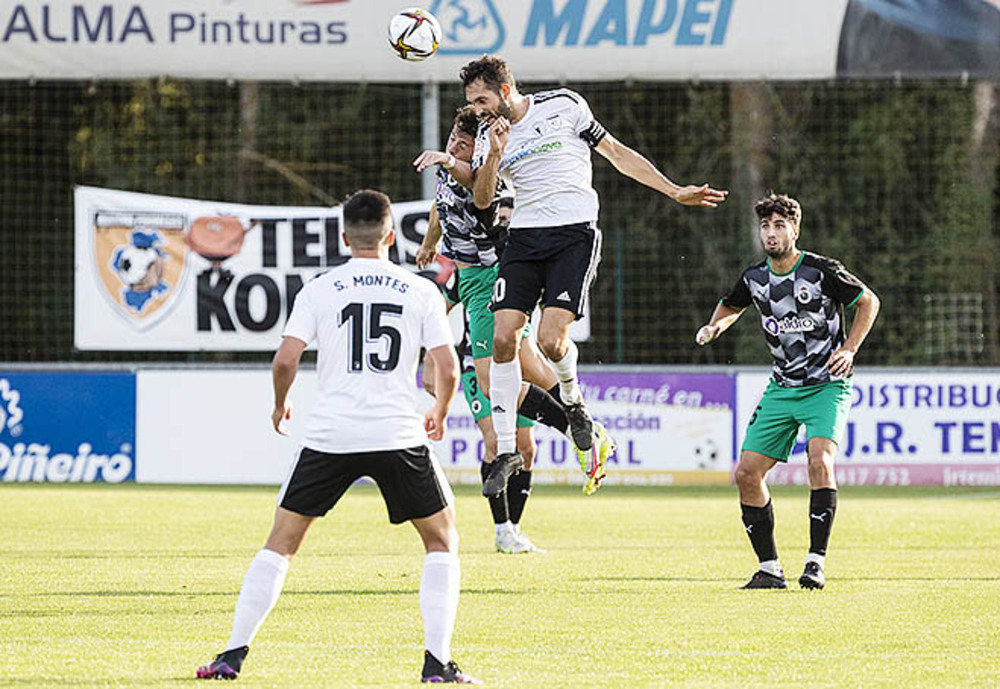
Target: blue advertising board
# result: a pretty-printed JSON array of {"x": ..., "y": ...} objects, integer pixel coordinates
[{"x": 67, "y": 427}]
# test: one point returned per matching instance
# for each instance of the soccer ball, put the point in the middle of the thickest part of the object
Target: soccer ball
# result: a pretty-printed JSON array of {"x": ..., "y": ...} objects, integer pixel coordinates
[{"x": 414, "y": 34}]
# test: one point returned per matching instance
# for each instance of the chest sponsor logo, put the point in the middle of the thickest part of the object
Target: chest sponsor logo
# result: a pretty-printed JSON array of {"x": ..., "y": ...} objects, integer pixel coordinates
[{"x": 789, "y": 324}]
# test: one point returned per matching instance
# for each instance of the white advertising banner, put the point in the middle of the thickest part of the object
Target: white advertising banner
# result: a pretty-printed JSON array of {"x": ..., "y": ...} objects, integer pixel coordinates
[
  {"x": 168, "y": 273},
  {"x": 345, "y": 40},
  {"x": 920, "y": 428},
  {"x": 213, "y": 426}
]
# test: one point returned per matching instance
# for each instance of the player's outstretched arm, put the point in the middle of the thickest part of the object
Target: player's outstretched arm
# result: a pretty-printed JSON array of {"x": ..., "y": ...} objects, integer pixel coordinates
[
  {"x": 445, "y": 385},
  {"x": 842, "y": 361},
  {"x": 459, "y": 169},
  {"x": 634, "y": 165},
  {"x": 722, "y": 318},
  {"x": 283, "y": 370},
  {"x": 429, "y": 246}
]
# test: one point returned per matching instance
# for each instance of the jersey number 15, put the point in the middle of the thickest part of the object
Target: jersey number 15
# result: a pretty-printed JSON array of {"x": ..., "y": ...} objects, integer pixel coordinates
[{"x": 354, "y": 316}]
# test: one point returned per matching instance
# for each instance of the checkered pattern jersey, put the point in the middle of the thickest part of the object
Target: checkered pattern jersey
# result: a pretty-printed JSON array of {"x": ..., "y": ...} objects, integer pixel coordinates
[
  {"x": 467, "y": 231},
  {"x": 802, "y": 314}
]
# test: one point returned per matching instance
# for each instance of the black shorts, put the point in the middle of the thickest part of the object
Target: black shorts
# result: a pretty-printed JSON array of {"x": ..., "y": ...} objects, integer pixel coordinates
[
  {"x": 556, "y": 264},
  {"x": 409, "y": 480}
]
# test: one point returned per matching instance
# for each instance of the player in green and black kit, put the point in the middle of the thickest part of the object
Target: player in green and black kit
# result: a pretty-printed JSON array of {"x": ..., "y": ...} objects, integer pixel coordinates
[{"x": 801, "y": 298}]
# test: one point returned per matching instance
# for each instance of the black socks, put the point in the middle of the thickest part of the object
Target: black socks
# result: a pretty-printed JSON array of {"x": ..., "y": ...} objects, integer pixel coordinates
[
  {"x": 822, "y": 507},
  {"x": 759, "y": 523}
]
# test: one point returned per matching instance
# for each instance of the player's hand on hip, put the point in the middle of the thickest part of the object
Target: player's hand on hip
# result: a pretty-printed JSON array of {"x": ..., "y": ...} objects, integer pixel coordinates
[
  {"x": 499, "y": 133},
  {"x": 280, "y": 417},
  {"x": 428, "y": 158},
  {"x": 706, "y": 334},
  {"x": 841, "y": 362},
  {"x": 434, "y": 422},
  {"x": 704, "y": 195},
  {"x": 425, "y": 256}
]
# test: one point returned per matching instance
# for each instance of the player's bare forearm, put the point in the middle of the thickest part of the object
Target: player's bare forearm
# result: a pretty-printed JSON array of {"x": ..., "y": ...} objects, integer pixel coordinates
[
  {"x": 445, "y": 365},
  {"x": 633, "y": 164},
  {"x": 722, "y": 319},
  {"x": 484, "y": 187},
  {"x": 462, "y": 172},
  {"x": 429, "y": 245},
  {"x": 284, "y": 367},
  {"x": 283, "y": 370},
  {"x": 868, "y": 307}
]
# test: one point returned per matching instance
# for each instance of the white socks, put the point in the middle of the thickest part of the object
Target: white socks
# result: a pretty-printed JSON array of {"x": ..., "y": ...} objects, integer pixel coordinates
[
  {"x": 817, "y": 558},
  {"x": 772, "y": 567},
  {"x": 565, "y": 369},
  {"x": 439, "y": 602},
  {"x": 261, "y": 587},
  {"x": 505, "y": 384}
]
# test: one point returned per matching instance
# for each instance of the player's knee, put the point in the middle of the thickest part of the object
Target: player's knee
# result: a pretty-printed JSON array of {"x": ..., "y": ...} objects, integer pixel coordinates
[
  {"x": 504, "y": 346},
  {"x": 746, "y": 477},
  {"x": 552, "y": 344}
]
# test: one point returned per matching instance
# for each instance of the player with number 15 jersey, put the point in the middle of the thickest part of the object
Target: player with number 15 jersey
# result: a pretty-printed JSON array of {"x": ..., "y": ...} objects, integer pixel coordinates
[{"x": 369, "y": 318}]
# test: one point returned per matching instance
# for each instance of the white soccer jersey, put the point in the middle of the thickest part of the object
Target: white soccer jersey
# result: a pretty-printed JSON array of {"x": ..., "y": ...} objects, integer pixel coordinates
[
  {"x": 369, "y": 318},
  {"x": 547, "y": 160}
]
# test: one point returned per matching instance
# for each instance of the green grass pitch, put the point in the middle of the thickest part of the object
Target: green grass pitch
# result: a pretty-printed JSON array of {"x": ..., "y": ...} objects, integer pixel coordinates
[{"x": 135, "y": 586}]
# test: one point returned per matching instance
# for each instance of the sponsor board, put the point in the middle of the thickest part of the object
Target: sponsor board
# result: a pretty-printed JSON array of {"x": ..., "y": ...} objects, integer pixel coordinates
[
  {"x": 345, "y": 40},
  {"x": 67, "y": 427},
  {"x": 166, "y": 273},
  {"x": 669, "y": 428},
  {"x": 904, "y": 428}
]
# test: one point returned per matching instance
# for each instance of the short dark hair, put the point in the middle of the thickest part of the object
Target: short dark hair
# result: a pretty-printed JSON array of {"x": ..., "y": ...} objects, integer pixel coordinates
[
  {"x": 365, "y": 212},
  {"x": 491, "y": 69},
  {"x": 783, "y": 205},
  {"x": 505, "y": 202},
  {"x": 466, "y": 121}
]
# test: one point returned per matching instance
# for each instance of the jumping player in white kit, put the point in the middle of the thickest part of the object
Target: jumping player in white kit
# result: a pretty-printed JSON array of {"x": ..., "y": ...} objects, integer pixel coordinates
[{"x": 541, "y": 145}]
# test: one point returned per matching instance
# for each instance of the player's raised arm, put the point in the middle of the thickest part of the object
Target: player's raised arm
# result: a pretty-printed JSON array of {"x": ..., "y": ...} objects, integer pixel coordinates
[
  {"x": 461, "y": 170},
  {"x": 634, "y": 165},
  {"x": 485, "y": 185}
]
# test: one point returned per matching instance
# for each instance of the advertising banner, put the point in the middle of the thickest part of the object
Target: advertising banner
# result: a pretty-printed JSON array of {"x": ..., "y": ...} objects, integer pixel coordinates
[
  {"x": 166, "y": 273},
  {"x": 670, "y": 428},
  {"x": 213, "y": 426},
  {"x": 933, "y": 428},
  {"x": 67, "y": 427},
  {"x": 346, "y": 40}
]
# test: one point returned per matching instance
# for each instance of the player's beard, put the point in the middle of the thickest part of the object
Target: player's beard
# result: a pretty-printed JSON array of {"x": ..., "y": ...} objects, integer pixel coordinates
[
  {"x": 778, "y": 252},
  {"x": 502, "y": 110}
]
